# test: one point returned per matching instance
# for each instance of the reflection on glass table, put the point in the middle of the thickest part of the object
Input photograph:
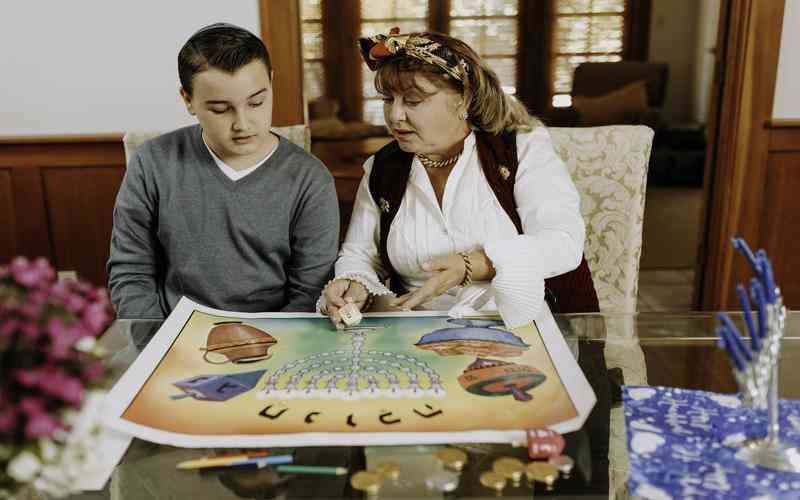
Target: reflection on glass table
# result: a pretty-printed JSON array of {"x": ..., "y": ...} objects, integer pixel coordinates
[{"x": 678, "y": 350}]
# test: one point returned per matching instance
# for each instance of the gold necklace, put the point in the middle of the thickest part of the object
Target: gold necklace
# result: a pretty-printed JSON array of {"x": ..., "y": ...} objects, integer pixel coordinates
[{"x": 429, "y": 163}]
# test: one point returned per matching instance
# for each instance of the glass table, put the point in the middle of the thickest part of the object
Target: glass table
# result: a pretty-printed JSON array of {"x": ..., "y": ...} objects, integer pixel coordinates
[{"x": 671, "y": 349}]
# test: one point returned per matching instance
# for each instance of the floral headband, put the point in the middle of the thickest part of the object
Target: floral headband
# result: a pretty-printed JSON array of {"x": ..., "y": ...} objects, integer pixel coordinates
[{"x": 379, "y": 48}]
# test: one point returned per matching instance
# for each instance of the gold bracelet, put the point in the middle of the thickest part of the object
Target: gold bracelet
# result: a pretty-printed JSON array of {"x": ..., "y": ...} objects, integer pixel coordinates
[
  {"x": 467, "y": 270},
  {"x": 368, "y": 302}
]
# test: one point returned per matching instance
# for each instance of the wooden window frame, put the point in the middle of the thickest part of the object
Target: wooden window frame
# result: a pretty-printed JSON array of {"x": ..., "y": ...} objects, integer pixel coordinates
[
  {"x": 635, "y": 40},
  {"x": 534, "y": 59}
]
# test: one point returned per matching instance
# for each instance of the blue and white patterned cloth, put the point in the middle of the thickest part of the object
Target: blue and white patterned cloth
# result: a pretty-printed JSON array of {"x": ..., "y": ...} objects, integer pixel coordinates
[{"x": 683, "y": 444}]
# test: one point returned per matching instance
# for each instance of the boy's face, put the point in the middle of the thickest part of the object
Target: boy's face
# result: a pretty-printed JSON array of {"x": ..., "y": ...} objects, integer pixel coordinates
[{"x": 235, "y": 111}]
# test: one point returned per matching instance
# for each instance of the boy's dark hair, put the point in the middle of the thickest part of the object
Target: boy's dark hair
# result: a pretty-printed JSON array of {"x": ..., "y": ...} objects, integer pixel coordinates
[{"x": 222, "y": 46}]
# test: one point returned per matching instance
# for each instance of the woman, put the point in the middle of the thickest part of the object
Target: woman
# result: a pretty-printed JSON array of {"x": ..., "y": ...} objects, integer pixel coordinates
[{"x": 470, "y": 209}]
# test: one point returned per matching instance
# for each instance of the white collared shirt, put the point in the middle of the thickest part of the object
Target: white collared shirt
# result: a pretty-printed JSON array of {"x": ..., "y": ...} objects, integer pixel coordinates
[{"x": 471, "y": 218}]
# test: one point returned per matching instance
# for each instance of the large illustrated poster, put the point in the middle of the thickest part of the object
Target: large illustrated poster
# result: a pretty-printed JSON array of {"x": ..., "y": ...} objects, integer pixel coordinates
[{"x": 212, "y": 378}]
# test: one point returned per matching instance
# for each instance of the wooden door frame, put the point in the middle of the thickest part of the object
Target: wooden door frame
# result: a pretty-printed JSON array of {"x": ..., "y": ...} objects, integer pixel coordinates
[
  {"x": 280, "y": 30},
  {"x": 744, "y": 85}
]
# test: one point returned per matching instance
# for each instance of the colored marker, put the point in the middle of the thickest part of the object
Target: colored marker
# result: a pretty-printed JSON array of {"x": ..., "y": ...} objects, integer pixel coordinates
[
  {"x": 312, "y": 469},
  {"x": 236, "y": 460}
]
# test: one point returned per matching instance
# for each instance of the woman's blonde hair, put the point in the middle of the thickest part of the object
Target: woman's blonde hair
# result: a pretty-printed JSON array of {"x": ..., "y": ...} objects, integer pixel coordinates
[{"x": 489, "y": 108}]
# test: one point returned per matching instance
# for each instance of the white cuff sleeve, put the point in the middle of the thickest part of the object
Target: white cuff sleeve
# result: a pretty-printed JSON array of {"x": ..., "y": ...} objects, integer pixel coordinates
[
  {"x": 519, "y": 280},
  {"x": 371, "y": 283}
]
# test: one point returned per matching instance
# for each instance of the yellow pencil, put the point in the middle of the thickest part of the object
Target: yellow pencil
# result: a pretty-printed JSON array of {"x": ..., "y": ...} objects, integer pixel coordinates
[{"x": 219, "y": 461}]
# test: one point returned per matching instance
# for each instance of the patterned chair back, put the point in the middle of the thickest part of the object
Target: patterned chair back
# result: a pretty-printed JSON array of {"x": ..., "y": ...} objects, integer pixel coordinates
[
  {"x": 298, "y": 134},
  {"x": 609, "y": 168}
]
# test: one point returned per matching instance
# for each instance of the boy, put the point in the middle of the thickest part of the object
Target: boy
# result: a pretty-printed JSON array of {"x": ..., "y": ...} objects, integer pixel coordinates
[{"x": 224, "y": 212}]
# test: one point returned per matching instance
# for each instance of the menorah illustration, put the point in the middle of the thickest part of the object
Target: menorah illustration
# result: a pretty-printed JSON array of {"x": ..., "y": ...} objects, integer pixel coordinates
[
  {"x": 354, "y": 373},
  {"x": 755, "y": 367}
]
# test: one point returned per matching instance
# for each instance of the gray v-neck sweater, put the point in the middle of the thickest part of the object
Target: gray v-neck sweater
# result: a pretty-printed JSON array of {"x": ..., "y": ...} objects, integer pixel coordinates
[{"x": 266, "y": 242}]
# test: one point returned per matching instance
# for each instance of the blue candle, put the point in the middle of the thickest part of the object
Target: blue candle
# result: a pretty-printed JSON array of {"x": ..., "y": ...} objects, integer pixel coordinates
[
  {"x": 758, "y": 294},
  {"x": 734, "y": 338},
  {"x": 767, "y": 277},
  {"x": 734, "y": 357},
  {"x": 755, "y": 338},
  {"x": 744, "y": 249}
]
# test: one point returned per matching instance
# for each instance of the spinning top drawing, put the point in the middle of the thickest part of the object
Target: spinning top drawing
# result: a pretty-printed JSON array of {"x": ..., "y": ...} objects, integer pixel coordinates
[
  {"x": 474, "y": 337},
  {"x": 217, "y": 387},
  {"x": 490, "y": 377},
  {"x": 232, "y": 341}
]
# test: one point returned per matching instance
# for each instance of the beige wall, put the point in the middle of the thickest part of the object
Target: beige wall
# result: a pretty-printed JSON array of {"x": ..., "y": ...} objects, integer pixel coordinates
[
  {"x": 787, "y": 86},
  {"x": 673, "y": 39},
  {"x": 707, "y": 25},
  {"x": 93, "y": 66}
]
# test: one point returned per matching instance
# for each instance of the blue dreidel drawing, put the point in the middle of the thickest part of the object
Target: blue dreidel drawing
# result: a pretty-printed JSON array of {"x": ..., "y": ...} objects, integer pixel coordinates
[
  {"x": 755, "y": 367},
  {"x": 217, "y": 387}
]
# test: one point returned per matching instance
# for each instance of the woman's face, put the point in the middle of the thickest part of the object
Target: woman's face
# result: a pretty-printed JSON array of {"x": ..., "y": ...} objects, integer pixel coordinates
[{"x": 426, "y": 122}]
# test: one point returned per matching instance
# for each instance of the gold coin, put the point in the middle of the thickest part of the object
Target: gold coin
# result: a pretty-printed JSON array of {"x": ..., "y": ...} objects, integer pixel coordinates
[
  {"x": 389, "y": 470},
  {"x": 493, "y": 480},
  {"x": 452, "y": 458},
  {"x": 366, "y": 481},
  {"x": 509, "y": 467},
  {"x": 542, "y": 472}
]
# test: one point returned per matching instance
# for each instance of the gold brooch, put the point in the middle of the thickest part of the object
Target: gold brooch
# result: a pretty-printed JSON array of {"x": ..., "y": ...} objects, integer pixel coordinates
[
  {"x": 383, "y": 204},
  {"x": 504, "y": 172}
]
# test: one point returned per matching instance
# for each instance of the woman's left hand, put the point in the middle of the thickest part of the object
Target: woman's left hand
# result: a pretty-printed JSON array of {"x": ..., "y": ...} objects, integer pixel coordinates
[{"x": 447, "y": 272}]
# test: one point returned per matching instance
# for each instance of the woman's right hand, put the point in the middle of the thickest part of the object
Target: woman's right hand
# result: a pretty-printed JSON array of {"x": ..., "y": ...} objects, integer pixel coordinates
[{"x": 338, "y": 293}]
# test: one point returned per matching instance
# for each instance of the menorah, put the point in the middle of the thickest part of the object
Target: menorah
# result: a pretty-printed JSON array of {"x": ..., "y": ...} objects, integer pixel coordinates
[
  {"x": 354, "y": 373},
  {"x": 755, "y": 367}
]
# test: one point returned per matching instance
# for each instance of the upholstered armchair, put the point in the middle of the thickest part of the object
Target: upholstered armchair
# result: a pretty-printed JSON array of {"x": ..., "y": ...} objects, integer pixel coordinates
[
  {"x": 609, "y": 168},
  {"x": 601, "y": 86}
]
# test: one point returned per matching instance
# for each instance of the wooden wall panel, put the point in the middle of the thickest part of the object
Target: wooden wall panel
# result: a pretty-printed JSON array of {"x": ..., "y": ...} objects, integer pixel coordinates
[
  {"x": 782, "y": 223},
  {"x": 781, "y": 226},
  {"x": 58, "y": 193},
  {"x": 280, "y": 30},
  {"x": 30, "y": 218},
  {"x": 81, "y": 219},
  {"x": 738, "y": 154},
  {"x": 8, "y": 231}
]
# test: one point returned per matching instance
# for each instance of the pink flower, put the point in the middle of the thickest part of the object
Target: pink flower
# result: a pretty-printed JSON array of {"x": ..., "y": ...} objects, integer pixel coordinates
[
  {"x": 94, "y": 371},
  {"x": 31, "y": 309},
  {"x": 44, "y": 269},
  {"x": 61, "y": 345},
  {"x": 28, "y": 378},
  {"x": 26, "y": 274},
  {"x": 8, "y": 326},
  {"x": 95, "y": 317},
  {"x": 59, "y": 291},
  {"x": 8, "y": 420},
  {"x": 30, "y": 331},
  {"x": 32, "y": 405},
  {"x": 74, "y": 303},
  {"x": 55, "y": 382},
  {"x": 72, "y": 391},
  {"x": 55, "y": 327},
  {"x": 41, "y": 425}
]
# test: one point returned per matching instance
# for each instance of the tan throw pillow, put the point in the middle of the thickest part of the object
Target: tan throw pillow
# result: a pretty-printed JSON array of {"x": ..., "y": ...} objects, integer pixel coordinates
[{"x": 624, "y": 105}]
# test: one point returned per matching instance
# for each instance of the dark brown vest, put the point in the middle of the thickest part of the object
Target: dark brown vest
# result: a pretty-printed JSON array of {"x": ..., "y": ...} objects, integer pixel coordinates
[{"x": 571, "y": 292}]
